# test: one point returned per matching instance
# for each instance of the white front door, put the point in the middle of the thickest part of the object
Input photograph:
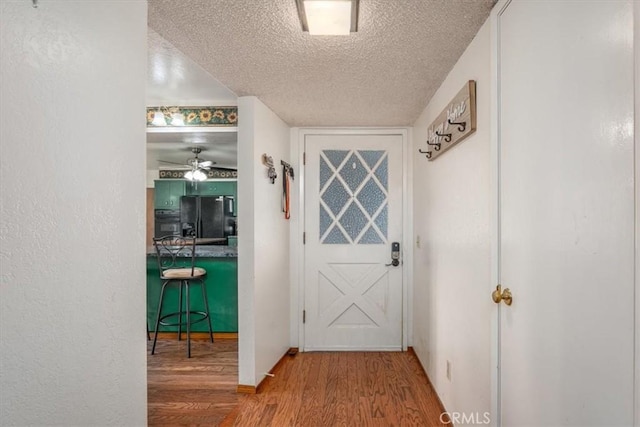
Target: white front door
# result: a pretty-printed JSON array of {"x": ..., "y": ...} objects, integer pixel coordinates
[
  {"x": 566, "y": 246},
  {"x": 353, "y": 214}
]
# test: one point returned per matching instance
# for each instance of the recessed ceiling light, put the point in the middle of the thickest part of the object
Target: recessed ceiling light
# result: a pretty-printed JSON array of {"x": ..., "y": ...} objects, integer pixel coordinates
[{"x": 328, "y": 17}]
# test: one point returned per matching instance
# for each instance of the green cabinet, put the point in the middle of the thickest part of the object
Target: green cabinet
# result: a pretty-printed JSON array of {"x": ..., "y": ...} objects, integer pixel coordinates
[
  {"x": 221, "y": 284},
  {"x": 167, "y": 194}
]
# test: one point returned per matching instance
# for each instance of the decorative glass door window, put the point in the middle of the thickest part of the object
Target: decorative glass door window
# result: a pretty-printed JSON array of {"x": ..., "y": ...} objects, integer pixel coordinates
[{"x": 353, "y": 197}]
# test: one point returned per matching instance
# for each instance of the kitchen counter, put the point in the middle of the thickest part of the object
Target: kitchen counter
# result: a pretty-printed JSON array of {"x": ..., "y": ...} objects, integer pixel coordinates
[
  {"x": 221, "y": 282},
  {"x": 205, "y": 251}
]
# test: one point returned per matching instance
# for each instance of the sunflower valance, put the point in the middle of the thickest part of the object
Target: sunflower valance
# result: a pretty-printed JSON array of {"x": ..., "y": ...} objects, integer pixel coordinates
[{"x": 192, "y": 116}]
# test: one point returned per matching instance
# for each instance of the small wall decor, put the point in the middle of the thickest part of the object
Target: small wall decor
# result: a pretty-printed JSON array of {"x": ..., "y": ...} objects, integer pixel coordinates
[
  {"x": 456, "y": 122},
  {"x": 191, "y": 116},
  {"x": 268, "y": 162}
]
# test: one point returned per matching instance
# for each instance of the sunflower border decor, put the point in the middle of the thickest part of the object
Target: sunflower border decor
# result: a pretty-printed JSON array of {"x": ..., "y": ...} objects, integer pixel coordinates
[
  {"x": 193, "y": 116},
  {"x": 214, "y": 173}
]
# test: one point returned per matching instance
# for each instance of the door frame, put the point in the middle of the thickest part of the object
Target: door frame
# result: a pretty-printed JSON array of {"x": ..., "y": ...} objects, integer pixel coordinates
[
  {"x": 297, "y": 260},
  {"x": 496, "y": 13}
]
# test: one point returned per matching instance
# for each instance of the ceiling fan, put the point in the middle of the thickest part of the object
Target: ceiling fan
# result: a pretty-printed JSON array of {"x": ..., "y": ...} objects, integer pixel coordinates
[{"x": 196, "y": 166}]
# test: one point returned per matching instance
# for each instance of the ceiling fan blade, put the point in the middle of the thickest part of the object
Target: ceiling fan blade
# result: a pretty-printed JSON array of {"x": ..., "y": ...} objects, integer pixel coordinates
[
  {"x": 233, "y": 168},
  {"x": 206, "y": 164},
  {"x": 173, "y": 163}
]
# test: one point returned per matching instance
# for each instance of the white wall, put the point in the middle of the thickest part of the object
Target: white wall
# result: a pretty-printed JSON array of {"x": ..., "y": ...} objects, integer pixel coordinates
[
  {"x": 263, "y": 243},
  {"x": 636, "y": 48},
  {"x": 452, "y": 304},
  {"x": 72, "y": 196}
]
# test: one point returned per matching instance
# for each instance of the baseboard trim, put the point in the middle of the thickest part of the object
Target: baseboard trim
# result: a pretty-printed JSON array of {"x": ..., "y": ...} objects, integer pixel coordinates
[
  {"x": 442, "y": 408},
  {"x": 251, "y": 389},
  {"x": 196, "y": 336},
  {"x": 246, "y": 389}
]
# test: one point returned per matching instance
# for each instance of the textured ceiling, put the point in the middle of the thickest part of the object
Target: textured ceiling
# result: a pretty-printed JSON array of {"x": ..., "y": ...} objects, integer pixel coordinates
[
  {"x": 383, "y": 75},
  {"x": 175, "y": 79}
]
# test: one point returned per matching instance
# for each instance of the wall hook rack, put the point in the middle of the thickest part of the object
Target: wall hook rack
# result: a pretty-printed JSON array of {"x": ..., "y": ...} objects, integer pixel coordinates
[
  {"x": 461, "y": 125},
  {"x": 455, "y": 122},
  {"x": 268, "y": 162},
  {"x": 426, "y": 153},
  {"x": 287, "y": 168},
  {"x": 447, "y": 136}
]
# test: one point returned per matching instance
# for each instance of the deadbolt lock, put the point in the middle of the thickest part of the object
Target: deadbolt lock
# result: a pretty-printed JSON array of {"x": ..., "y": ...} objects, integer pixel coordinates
[{"x": 500, "y": 295}]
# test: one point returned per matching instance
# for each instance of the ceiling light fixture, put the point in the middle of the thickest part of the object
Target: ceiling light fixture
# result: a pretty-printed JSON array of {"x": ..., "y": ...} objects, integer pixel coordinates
[
  {"x": 328, "y": 17},
  {"x": 195, "y": 175}
]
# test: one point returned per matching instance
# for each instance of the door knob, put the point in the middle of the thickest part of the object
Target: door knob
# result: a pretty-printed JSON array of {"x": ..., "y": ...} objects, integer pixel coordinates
[{"x": 500, "y": 295}]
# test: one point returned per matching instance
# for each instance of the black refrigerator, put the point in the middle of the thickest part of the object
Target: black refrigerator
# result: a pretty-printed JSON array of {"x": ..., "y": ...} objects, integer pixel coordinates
[{"x": 207, "y": 216}]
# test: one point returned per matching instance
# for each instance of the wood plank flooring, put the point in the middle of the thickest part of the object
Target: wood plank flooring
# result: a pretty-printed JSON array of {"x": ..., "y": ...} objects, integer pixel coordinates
[
  {"x": 309, "y": 389},
  {"x": 200, "y": 391},
  {"x": 342, "y": 389}
]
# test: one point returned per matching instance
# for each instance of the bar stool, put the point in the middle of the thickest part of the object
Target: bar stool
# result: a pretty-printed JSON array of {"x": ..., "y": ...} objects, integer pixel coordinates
[{"x": 176, "y": 263}]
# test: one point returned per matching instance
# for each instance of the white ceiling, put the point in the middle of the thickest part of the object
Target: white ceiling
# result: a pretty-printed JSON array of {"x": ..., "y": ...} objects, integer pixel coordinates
[
  {"x": 175, "y": 79},
  {"x": 383, "y": 75}
]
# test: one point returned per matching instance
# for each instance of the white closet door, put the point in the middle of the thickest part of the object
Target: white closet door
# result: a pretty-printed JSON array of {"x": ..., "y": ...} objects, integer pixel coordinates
[{"x": 566, "y": 193}]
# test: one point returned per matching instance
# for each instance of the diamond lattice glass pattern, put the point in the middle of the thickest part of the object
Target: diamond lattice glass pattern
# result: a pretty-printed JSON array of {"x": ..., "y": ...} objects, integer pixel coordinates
[
  {"x": 381, "y": 221},
  {"x": 371, "y": 156},
  {"x": 353, "y": 206},
  {"x": 381, "y": 173},
  {"x": 335, "y": 237},
  {"x": 325, "y": 220},
  {"x": 353, "y": 172},
  {"x": 325, "y": 173},
  {"x": 336, "y": 196},
  {"x": 371, "y": 197},
  {"x": 353, "y": 220},
  {"x": 370, "y": 237}
]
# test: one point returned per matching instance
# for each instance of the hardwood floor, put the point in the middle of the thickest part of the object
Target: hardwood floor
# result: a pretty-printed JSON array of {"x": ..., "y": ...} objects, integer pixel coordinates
[
  {"x": 197, "y": 391},
  {"x": 309, "y": 389},
  {"x": 342, "y": 389}
]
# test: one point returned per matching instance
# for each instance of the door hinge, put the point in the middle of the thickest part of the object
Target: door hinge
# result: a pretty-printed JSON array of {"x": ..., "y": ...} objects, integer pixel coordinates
[
  {"x": 304, "y": 158},
  {"x": 304, "y": 316},
  {"x": 304, "y": 238}
]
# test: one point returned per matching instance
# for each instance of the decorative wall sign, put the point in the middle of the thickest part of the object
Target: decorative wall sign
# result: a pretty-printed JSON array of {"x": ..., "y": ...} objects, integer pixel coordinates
[
  {"x": 456, "y": 122},
  {"x": 192, "y": 116},
  {"x": 213, "y": 173}
]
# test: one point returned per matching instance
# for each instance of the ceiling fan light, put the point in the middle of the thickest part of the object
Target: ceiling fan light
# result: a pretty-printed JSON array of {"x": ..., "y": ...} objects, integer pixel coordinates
[
  {"x": 158, "y": 119},
  {"x": 189, "y": 175},
  {"x": 198, "y": 175}
]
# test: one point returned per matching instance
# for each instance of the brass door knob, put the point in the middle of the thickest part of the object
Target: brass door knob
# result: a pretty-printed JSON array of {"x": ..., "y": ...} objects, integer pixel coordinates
[{"x": 500, "y": 295}]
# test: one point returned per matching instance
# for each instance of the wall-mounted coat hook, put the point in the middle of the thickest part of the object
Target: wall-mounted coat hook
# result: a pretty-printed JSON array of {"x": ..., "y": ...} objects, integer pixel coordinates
[
  {"x": 447, "y": 136},
  {"x": 287, "y": 172},
  {"x": 287, "y": 168},
  {"x": 436, "y": 145},
  {"x": 427, "y": 153},
  {"x": 461, "y": 125},
  {"x": 268, "y": 162}
]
